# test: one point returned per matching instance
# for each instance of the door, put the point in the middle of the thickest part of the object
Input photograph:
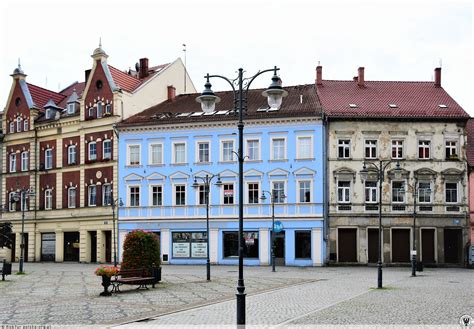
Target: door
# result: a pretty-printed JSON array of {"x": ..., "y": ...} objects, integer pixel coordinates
[
  {"x": 452, "y": 245},
  {"x": 25, "y": 254},
  {"x": 347, "y": 245},
  {"x": 93, "y": 237},
  {"x": 48, "y": 247},
  {"x": 400, "y": 246},
  {"x": 428, "y": 246},
  {"x": 280, "y": 248},
  {"x": 108, "y": 247},
  {"x": 372, "y": 245},
  {"x": 12, "y": 254},
  {"x": 71, "y": 246}
]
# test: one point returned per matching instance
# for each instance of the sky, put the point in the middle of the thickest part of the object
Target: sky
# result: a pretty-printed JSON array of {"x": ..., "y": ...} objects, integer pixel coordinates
[{"x": 401, "y": 40}]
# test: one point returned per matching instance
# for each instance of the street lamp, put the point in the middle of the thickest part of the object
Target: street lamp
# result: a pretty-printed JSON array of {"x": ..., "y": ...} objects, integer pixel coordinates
[
  {"x": 274, "y": 197},
  {"x": 383, "y": 164},
  {"x": 206, "y": 184},
  {"x": 208, "y": 101},
  {"x": 22, "y": 195},
  {"x": 114, "y": 203}
]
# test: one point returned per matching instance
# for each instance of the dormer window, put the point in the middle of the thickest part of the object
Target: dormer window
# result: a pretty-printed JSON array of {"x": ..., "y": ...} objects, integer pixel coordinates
[
  {"x": 107, "y": 109},
  {"x": 91, "y": 112},
  {"x": 18, "y": 124},
  {"x": 71, "y": 108},
  {"x": 49, "y": 114},
  {"x": 25, "y": 125},
  {"x": 12, "y": 127},
  {"x": 99, "y": 109}
]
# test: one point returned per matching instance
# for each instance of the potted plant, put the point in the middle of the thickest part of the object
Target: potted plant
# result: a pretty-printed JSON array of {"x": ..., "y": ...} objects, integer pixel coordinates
[{"x": 106, "y": 272}]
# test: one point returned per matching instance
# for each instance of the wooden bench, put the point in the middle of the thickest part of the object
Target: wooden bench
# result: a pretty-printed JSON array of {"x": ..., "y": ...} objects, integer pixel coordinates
[
  {"x": 141, "y": 277},
  {"x": 6, "y": 269}
]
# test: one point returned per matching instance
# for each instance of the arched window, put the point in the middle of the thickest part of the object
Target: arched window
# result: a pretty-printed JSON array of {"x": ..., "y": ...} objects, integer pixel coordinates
[
  {"x": 48, "y": 199},
  {"x": 99, "y": 109},
  {"x": 48, "y": 159},
  {"x": 107, "y": 149},
  {"x": 71, "y": 197},
  {"x": 12, "y": 162},
  {"x": 71, "y": 155},
  {"x": 12, "y": 127},
  {"x": 24, "y": 161},
  {"x": 18, "y": 124},
  {"x": 25, "y": 125},
  {"x": 92, "y": 151}
]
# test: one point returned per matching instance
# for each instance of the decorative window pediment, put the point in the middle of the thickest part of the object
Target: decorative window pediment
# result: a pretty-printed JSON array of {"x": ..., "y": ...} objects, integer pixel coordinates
[
  {"x": 203, "y": 173},
  {"x": 304, "y": 171},
  {"x": 344, "y": 173},
  {"x": 425, "y": 174},
  {"x": 278, "y": 172},
  {"x": 156, "y": 176},
  {"x": 452, "y": 174},
  {"x": 392, "y": 174},
  {"x": 133, "y": 177},
  {"x": 253, "y": 173},
  {"x": 228, "y": 173},
  {"x": 179, "y": 175}
]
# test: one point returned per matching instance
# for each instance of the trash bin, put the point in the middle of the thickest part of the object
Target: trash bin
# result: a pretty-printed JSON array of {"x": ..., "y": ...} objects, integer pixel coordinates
[{"x": 419, "y": 266}]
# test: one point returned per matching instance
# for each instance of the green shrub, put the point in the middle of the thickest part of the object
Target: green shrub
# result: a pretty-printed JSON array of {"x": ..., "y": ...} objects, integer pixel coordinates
[{"x": 141, "y": 249}]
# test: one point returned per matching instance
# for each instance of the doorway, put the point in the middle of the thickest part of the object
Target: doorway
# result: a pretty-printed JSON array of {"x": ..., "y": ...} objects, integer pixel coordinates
[
  {"x": 13, "y": 250},
  {"x": 400, "y": 246},
  {"x": 452, "y": 245},
  {"x": 71, "y": 246},
  {"x": 93, "y": 238},
  {"x": 108, "y": 247},
  {"x": 428, "y": 246},
  {"x": 25, "y": 252},
  {"x": 280, "y": 248},
  {"x": 347, "y": 245},
  {"x": 372, "y": 245}
]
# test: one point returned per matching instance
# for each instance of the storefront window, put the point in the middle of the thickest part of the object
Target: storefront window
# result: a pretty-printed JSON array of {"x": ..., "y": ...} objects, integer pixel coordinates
[
  {"x": 231, "y": 244},
  {"x": 189, "y": 244},
  {"x": 303, "y": 244}
]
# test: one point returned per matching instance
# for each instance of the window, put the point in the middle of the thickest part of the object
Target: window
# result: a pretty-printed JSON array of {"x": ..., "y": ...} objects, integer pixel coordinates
[
  {"x": 91, "y": 112},
  {"x": 179, "y": 152},
  {"x": 99, "y": 109},
  {"x": 156, "y": 156},
  {"x": 18, "y": 124},
  {"x": 424, "y": 192},
  {"x": 48, "y": 158},
  {"x": 108, "y": 109},
  {"x": 92, "y": 195},
  {"x": 180, "y": 195},
  {"x": 228, "y": 193},
  {"x": 303, "y": 244},
  {"x": 11, "y": 201},
  {"x": 451, "y": 150},
  {"x": 203, "y": 152},
  {"x": 48, "y": 199},
  {"x": 24, "y": 161},
  {"x": 106, "y": 194},
  {"x": 157, "y": 195},
  {"x": 12, "y": 127},
  {"x": 253, "y": 149},
  {"x": 12, "y": 162},
  {"x": 278, "y": 149},
  {"x": 71, "y": 197},
  {"x": 344, "y": 149},
  {"x": 253, "y": 193},
  {"x": 231, "y": 244},
  {"x": 227, "y": 149},
  {"x": 203, "y": 195},
  {"x": 398, "y": 192},
  {"x": 371, "y": 149},
  {"x": 134, "y": 196},
  {"x": 25, "y": 125},
  {"x": 133, "y": 155},
  {"x": 397, "y": 149},
  {"x": 371, "y": 192},
  {"x": 304, "y": 191},
  {"x": 451, "y": 192},
  {"x": 424, "y": 149},
  {"x": 278, "y": 191},
  {"x": 92, "y": 151},
  {"x": 49, "y": 113},
  {"x": 23, "y": 201},
  {"x": 189, "y": 244},
  {"x": 71, "y": 108},
  {"x": 304, "y": 148},
  {"x": 107, "y": 149},
  {"x": 71, "y": 154},
  {"x": 343, "y": 191}
]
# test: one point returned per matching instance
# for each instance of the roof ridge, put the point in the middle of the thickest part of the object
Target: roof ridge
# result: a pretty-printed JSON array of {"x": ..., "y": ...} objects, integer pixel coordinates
[
  {"x": 390, "y": 81},
  {"x": 123, "y": 72},
  {"x": 55, "y": 92}
]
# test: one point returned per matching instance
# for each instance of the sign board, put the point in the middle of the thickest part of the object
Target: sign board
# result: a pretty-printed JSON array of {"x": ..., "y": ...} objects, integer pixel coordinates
[
  {"x": 278, "y": 227},
  {"x": 199, "y": 249},
  {"x": 180, "y": 249}
]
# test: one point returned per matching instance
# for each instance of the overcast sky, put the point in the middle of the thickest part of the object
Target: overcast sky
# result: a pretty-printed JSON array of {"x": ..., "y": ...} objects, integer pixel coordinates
[{"x": 402, "y": 40}]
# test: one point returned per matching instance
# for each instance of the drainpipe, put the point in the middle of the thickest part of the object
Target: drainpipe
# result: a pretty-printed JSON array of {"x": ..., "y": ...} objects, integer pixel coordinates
[
  {"x": 325, "y": 187},
  {"x": 116, "y": 133},
  {"x": 36, "y": 187}
]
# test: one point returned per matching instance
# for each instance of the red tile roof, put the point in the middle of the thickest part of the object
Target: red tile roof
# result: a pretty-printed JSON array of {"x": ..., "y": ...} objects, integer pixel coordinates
[
  {"x": 413, "y": 100},
  {"x": 77, "y": 86},
  {"x": 123, "y": 80},
  {"x": 470, "y": 142},
  {"x": 41, "y": 96},
  {"x": 301, "y": 101}
]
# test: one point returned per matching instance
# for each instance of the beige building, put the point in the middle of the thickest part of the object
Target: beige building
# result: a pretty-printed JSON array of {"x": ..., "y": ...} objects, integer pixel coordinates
[
  {"x": 63, "y": 147},
  {"x": 382, "y": 124}
]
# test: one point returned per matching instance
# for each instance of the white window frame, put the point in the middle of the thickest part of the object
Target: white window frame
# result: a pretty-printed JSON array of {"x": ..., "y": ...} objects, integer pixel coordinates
[
  {"x": 89, "y": 194},
  {"x": 458, "y": 192},
  {"x": 345, "y": 147},
  {"x": 90, "y": 112},
  {"x": 104, "y": 202},
  {"x": 259, "y": 150},
  {"x": 25, "y": 125},
  {"x": 48, "y": 154},
  {"x": 47, "y": 113},
  {"x": 197, "y": 193},
  {"x": 424, "y": 147},
  {"x": 150, "y": 154},
  {"x": 431, "y": 193},
  {"x": 71, "y": 108},
  {"x": 107, "y": 155},
  {"x": 150, "y": 196},
  {"x": 18, "y": 124},
  {"x": 203, "y": 142},
  {"x": 371, "y": 189},
  {"x": 222, "y": 158},
  {"x": 397, "y": 147},
  {"x": 24, "y": 160},
  {"x": 223, "y": 193},
  {"x": 247, "y": 189},
  {"x": 89, "y": 151},
  {"x": 392, "y": 194},
  {"x": 455, "y": 148},
  {"x": 12, "y": 162},
  {"x": 69, "y": 153},
  {"x": 129, "y": 195},
  {"x": 48, "y": 199},
  {"x": 11, "y": 203},
  {"x": 100, "y": 109},
  {"x": 298, "y": 190},
  {"x": 344, "y": 188},
  {"x": 368, "y": 145},
  {"x": 24, "y": 201},
  {"x": 311, "y": 146},
  {"x": 272, "y": 183},
  {"x": 185, "y": 194},
  {"x": 69, "y": 190},
  {"x": 174, "y": 152},
  {"x": 12, "y": 127},
  {"x": 107, "y": 108},
  {"x": 272, "y": 149},
  {"x": 129, "y": 154}
]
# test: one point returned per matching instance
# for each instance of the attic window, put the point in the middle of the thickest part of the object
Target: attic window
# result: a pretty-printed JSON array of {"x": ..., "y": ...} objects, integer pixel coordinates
[
  {"x": 49, "y": 113},
  {"x": 70, "y": 108},
  {"x": 17, "y": 101},
  {"x": 353, "y": 106},
  {"x": 99, "y": 84},
  {"x": 393, "y": 106},
  {"x": 443, "y": 106}
]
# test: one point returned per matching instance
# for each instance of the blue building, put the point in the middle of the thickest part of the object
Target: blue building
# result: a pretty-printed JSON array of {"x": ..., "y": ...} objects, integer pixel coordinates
[{"x": 166, "y": 146}]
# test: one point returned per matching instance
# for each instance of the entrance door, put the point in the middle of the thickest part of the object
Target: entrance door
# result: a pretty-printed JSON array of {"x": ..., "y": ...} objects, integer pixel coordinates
[
  {"x": 71, "y": 246},
  {"x": 280, "y": 248},
  {"x": 452, "y": 246},
  {"x": 12, "y": 254},
  {"x": 373, "y": 245},
  {"x": 93, "y": 237},
  {"x": 347, "y": 244},
  {"x": 25, "y": 254},
  {"x": 428, "y": 246},
  {"x": 48, "y": 247},
  {"x": 400, "y": 246},
  {"x": 108, "y": 247}
]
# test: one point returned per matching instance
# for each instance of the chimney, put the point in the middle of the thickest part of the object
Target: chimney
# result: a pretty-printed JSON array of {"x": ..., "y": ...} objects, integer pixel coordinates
[
  {"x": 319, "y": 75},
  {"x": 437, "y": 81},
  {"x": 360, "y": 78},
  {"x": 87, "y": 73},
  {"x": 171, "y": 93},
  {"x": 143, "y": 73}
]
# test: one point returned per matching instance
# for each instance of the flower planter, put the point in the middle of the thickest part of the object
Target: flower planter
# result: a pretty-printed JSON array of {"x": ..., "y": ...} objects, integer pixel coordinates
[{"x": 106, "y": 284}]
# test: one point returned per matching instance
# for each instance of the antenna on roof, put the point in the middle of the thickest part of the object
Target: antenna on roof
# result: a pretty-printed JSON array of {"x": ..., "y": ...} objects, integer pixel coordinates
[
  {"x": 19, "y": 63},
  {"x": 100, "y": 42},
  {"x": 440, "y": 62},
  {"x": 184, "y": 51}
]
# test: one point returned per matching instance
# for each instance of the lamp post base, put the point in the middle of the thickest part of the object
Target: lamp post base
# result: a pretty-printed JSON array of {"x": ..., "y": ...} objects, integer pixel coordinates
[
  {"x": 240, "y": 308},
  {"x": 379, "y": 275},
  {"x": 413, "y": 265},
  {"x": 208, "y": 270}
]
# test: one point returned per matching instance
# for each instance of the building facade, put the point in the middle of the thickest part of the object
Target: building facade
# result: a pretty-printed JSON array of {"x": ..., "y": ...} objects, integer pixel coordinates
[
  {"x": 470, "y": 160},
  {"x": 165, "y": 148},
  {"x": 62, "y": 147},
  {"x": 381, "y": 124}
]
